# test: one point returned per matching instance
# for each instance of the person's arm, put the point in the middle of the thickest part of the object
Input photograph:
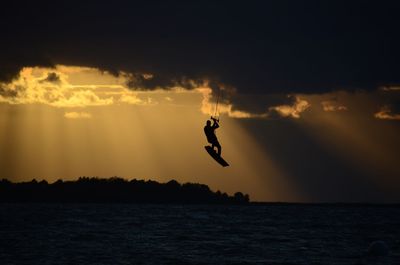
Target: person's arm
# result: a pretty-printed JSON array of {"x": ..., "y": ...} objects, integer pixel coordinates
[{"x": 215, "y": 125}]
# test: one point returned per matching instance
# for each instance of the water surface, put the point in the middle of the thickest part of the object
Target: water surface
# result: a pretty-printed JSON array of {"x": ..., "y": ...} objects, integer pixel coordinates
[{"x": 195, "y": 234}]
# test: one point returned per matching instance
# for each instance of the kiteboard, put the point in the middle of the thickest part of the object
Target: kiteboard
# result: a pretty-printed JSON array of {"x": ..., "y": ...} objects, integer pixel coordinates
[{"x": 216, "y": 157}]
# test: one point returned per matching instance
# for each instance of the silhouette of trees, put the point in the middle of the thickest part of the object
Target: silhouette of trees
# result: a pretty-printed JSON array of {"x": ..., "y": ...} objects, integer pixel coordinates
[{"x": 115, "y": 189}]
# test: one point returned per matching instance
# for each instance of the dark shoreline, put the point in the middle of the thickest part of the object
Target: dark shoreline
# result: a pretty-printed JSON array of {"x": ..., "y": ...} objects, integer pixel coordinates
[
  {"x": 114, "y": 190},
  {"x": 117, "y": 190}
]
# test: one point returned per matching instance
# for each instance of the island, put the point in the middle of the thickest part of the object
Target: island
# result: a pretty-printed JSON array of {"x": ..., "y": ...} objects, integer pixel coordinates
[{"x": 114, "y": 190}]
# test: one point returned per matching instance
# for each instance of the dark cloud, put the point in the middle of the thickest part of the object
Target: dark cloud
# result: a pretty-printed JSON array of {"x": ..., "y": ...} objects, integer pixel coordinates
[
  {"x": 143, "y": 81},
  {"x": 138, "y": 81},
  {"x": 261, "y": 103},
  {"x": 256, "y": 47},
  {"x": 395, "y": 107},
  {"x": 52, "y": 78},
  {"x": 7, "y": 93}
]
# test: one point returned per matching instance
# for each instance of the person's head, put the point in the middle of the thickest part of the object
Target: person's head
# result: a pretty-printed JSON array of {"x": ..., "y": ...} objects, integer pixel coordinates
[{"x": 208, "y": 123}]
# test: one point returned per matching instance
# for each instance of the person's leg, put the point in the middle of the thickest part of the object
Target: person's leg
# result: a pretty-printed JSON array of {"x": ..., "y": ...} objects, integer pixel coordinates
[{"x": 219, "y": 148}]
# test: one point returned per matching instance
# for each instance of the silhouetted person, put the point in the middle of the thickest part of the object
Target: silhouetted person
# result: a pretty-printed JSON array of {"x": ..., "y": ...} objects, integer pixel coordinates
[{"x": 210, "y": 133}]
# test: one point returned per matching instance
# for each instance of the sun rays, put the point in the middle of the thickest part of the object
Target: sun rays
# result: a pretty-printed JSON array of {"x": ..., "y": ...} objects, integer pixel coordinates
[
  {"x": 76, "y": 121},
  {"x": 72, "y": 121}
]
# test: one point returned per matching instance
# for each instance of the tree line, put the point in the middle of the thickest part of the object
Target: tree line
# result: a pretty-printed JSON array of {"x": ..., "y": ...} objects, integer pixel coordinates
[{"x": 114, "y": 190}]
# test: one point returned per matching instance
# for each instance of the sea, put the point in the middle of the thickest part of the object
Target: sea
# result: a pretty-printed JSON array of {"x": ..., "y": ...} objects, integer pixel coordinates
[{"x": 40, "y": 234}]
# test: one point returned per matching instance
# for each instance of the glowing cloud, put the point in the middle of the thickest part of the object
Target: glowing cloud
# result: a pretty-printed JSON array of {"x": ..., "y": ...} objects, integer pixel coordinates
[
  {"x": 70, "y": 87},
  {"x": 132, "y": 98},
  {"x": 80, "y": 87},
  {"x": 390, "y": 88},
  {"x": 286, "y": 111},
  {"x": 292, "y": 111},
  {"x": 386, "y": 113},
  {"x": 77, "y": 115},
  {"x": 332, "y": 105},
  {"x": 208, "y": 107},
  {"x": 50, "y": 87}
]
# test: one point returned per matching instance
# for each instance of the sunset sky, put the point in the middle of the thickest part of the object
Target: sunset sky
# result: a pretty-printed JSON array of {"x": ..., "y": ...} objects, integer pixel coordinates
[{"x": 309, "y": 106}]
